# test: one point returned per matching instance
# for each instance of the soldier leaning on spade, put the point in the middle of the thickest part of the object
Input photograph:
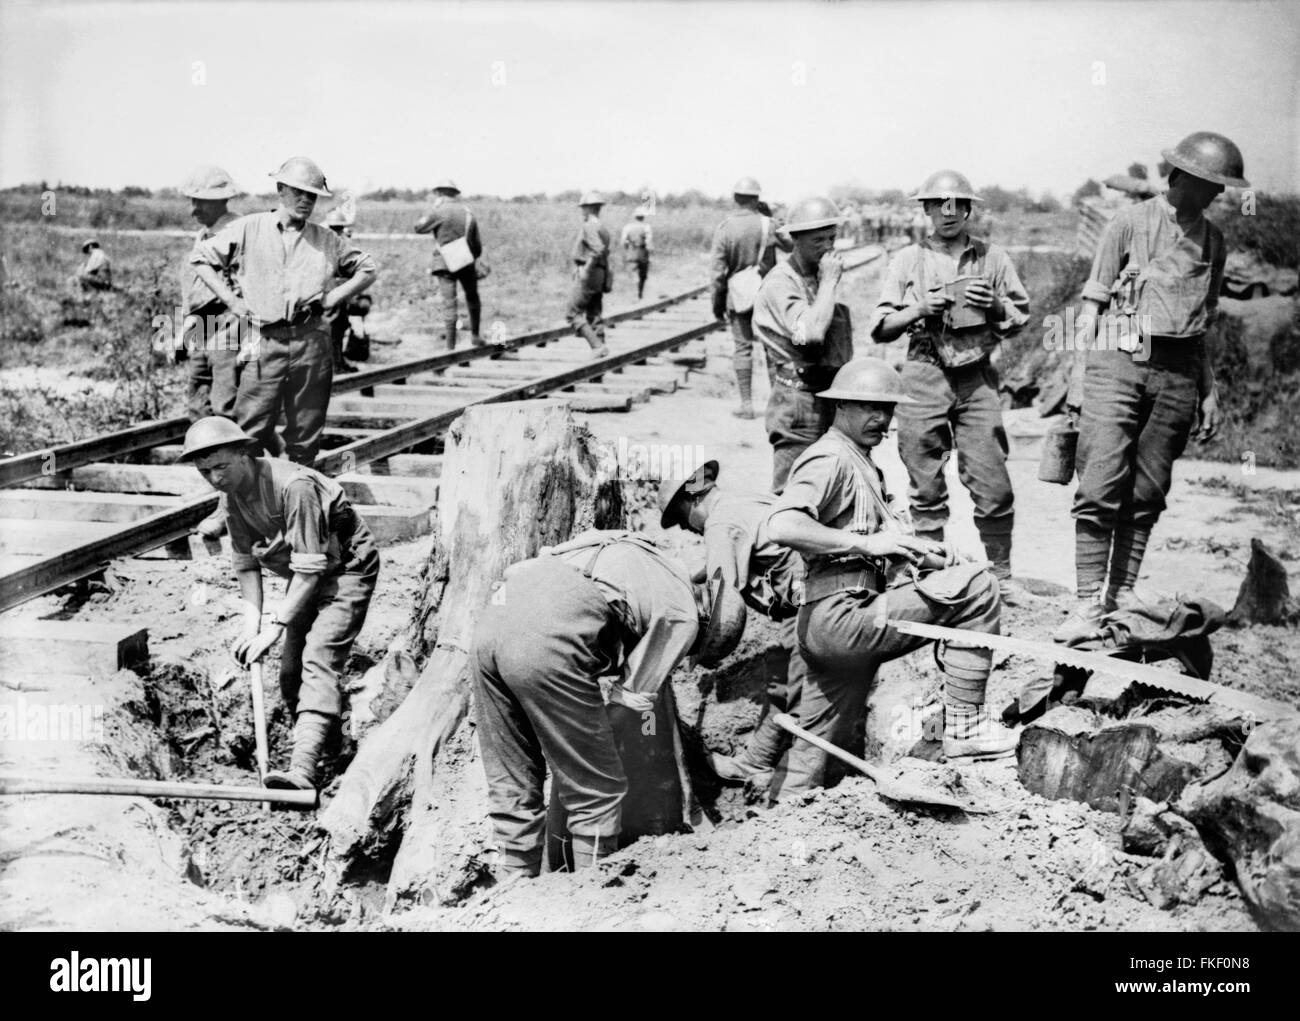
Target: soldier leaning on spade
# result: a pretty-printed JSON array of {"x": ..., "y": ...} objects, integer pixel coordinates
[
  {"x": 807, "y": 331},
  {"x": 297, "y": 523},
  {"x": 593, "y": 276},
  {"x": 743, "y": 251},
  {"x": 450, "y": 221},
  {"x": 284, "y": 265},
  {"x": 956, "y": 297},
  {"x": 1137, "y": 406},
  {"x": 769, "y": 577}
]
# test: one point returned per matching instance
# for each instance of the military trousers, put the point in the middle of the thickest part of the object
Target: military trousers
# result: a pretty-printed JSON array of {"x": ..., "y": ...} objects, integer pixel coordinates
[
  {"x": 538, "y": 650},
  {"x": 317, "y": 642},
  {"x": 214, "y": 366},
  {"x": 292, "y": 374},
  {"x": 467, "y": 279},
  {"x": 956, "y": 409},
  {"x": 795, "y": 420},
  {"x": 844, "y": 639}
]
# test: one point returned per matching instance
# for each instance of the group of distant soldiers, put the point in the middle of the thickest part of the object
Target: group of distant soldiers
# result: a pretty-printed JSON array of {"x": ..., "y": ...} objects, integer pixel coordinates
[{"x": 595, "y": 626}]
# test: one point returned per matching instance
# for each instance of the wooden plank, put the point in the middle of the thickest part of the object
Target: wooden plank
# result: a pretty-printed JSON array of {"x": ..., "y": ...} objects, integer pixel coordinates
[
  {"x": 43, "y": 538},
  {"x": 154, "y": 479},
  {"x": 423, "y": 466},
  {"x": 75, "y": 646},
  {"x": 389, "y": 490},
  {"x": 398, "y": 524},
  {"x": 71, "y": 505}
]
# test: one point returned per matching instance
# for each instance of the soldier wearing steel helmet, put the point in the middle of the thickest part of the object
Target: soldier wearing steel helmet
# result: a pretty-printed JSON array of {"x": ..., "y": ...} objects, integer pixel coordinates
[
  {"x": 807, "y": 331},
  {"x": 1159, "y": 267},
  {"x": 858, "y": 556},
  {"x": 744, "y": 249},
  {"x": 284, "y": 265},
  {"x": 298, "y": 524},
  {"x": 604, "y": 603},
  {"x": 210, "y": 334},
  {"x": 769, "y": 578},
  {"x": 956, "y": 297},
  {"x": 593, "y": 276},
  {"x": 451, "y": 220}
]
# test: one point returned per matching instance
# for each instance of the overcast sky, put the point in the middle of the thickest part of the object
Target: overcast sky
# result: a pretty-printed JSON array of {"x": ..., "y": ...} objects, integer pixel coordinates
[{"x": 511, "y": 98}]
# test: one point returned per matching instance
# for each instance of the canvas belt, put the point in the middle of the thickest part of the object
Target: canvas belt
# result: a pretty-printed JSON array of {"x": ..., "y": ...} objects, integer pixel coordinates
[
  {"x": 285, "y": 330},
  {"x": 849, "y": 576}
]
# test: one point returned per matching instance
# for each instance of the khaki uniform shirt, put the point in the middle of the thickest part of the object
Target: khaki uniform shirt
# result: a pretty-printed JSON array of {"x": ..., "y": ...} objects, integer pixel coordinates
[
  {"x": 195, "y": 294},
  {"x": 277, "y": 272},
  {"x": 827, "y": 485},
  {"x": 916, "y": 268},
  {"x": 592, "y": 244},
  {"x": 1182, "y": 273},
  {"x": 447, "y": 221},
  {"x": 738, "y": 244},
  {"x": 637, "y": 235},
  {"x": 290, "y": 523},
  {"x": 784, "y": 299},
  {"x": 737, "y": 543},
  {"x": 653, "y": 598}
]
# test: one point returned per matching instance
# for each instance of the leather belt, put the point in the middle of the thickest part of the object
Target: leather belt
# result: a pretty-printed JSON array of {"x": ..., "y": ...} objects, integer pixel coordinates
[
  {"x": 827, "y": 581},
  {"x": 284, "y": 330}
]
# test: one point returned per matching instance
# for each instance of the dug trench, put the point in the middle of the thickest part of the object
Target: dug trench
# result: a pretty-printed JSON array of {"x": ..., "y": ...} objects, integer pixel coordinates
[{"x": 843, "y": 858}]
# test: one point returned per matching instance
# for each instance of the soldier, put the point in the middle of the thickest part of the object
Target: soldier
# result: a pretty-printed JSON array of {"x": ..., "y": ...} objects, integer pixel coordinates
[
  {"x": 807, "y": 331},
  {"x": 956, "y": 297},
  {"x": 592, "y": 275},
  {"x": 298, "y": 524},
  {"x": 835, "y": 512},
  {"x": 1138, "y": 400},
  {"x": 769, "y": 579},
  {"x": 283, "y": 265},
  {"x": 607, "y": 602},
  {"x": 742, "y": 253},
  {"x": 341, "y": 220},
  {"x": 96, "y": 273},
  {"x": 638, "y": 242},
  {"x": 211, "y": 337},
  {"x": 456, "y": 251}
]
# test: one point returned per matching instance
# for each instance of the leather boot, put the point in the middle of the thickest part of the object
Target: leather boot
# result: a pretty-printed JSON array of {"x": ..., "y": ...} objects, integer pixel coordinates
[
  {"x": 309, "y": 733},
  {"x": 971, "y": 735}
]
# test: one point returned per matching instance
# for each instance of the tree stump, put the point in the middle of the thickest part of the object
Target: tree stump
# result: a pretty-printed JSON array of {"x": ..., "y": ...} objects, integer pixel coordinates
[
  {"x": 1250, "y": 818},
  {"x": 516, "y": 477},
  {"x": 1265, "y": 597}
]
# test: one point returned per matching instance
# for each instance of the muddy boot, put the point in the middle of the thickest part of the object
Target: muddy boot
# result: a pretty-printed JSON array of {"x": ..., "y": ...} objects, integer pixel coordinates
[
  {"x": 309, "y": 733},
  {"x": 596, "y": 341},
  {"x": 971, "y": 735},
  {"x": 1083, "y": 622},
  {"x": 476, "y": 340},
  {"x": 998, "y": 549},
  {"x": 746, "y": 410}
]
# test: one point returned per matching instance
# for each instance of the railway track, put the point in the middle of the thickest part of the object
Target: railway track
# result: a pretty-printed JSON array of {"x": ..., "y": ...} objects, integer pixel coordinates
[{"x": 66, "y": 511}]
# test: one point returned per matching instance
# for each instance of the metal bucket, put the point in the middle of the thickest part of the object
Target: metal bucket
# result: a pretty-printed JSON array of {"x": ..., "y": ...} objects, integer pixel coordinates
[{"x": 1057, "y": 461}]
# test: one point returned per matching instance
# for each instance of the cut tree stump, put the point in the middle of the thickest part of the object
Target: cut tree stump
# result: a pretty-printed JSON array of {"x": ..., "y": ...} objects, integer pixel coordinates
[
  {"x": 516, "y": 477},
  {"x": 1265, "y": 597},
  {"x": 1250, "y": 818},
  {"x": 1073, "y": 753}
]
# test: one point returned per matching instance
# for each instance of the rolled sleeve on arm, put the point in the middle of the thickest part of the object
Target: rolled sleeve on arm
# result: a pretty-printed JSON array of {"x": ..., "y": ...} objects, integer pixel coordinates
[
  {"x": 664, "y": 645},
  {"x": 1111, "y": 257},
  {"x": 352, "y": 260},
  {"x": 306, "y": 530},
  {"x": 1014, "y": 297},
  {"x": 809, "y": 487},
  {"x": 893, "y": 296}
]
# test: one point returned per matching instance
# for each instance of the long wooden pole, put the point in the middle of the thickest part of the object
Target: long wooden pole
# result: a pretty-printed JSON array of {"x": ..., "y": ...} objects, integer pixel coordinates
[
  {"x": 259, "y": 723},
  {"x": 14, "y": 785}
]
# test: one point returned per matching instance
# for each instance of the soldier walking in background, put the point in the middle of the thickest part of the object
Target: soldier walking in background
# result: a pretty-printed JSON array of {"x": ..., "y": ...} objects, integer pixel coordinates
[
  {"x": 283, "y": 266},
  {"x": 1161, "y": 262},
  {"x": 807, "y": 331},
  {"x": 956, "y": 297},
  {"x": 592, "y": 275},
  {"x": 743, "y": 250},
  {"x": 456, "y": 251},
  {"x": 638, "y": 242}
]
